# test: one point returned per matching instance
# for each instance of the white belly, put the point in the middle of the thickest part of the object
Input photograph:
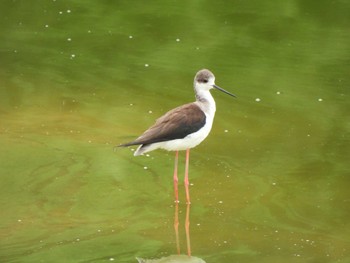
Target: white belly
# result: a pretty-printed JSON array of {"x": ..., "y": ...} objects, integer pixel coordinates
[{"x": 190, "y": 141}]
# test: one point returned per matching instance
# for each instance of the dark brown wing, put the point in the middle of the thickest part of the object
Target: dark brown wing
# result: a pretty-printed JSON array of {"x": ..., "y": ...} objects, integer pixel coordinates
[{"x": 175, "y": 124}]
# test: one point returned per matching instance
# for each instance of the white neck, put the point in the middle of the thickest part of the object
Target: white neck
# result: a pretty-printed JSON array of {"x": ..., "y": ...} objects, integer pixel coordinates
[{"x": 205, "y": 101}]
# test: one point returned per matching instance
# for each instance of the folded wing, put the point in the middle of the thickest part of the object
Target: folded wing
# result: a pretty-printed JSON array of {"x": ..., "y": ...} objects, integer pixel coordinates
[{"x": 175, "y": 124}]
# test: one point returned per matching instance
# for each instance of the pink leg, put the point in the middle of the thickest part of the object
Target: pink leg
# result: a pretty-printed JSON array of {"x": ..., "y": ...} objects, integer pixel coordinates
[
  {"x": 187, "y": 228},
  {"x": 176, "y": 179},
  {"x": 187, "y": 183}
]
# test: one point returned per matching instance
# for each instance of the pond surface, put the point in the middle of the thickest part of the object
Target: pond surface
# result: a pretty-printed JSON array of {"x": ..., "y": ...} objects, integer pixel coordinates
[{"x": 271, "y": 182}]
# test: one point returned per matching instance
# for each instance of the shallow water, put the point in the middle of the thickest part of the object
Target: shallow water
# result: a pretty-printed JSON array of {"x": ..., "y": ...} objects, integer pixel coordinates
[{"x": 270, "y": 183}]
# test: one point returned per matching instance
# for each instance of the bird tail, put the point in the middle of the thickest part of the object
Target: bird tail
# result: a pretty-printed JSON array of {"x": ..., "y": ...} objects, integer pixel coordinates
[
  {"x": 139, "y": 151},
  {"x": 143, "y": 148},
  {"x": 127, "y": 144}
]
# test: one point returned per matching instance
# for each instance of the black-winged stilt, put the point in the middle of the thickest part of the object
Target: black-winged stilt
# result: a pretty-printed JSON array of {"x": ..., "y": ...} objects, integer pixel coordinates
[{"x": 184, "y": 127}]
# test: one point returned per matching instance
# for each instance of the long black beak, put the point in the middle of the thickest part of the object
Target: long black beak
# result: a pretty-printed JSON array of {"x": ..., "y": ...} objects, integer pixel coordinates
[{"x": 224, "y": 91}]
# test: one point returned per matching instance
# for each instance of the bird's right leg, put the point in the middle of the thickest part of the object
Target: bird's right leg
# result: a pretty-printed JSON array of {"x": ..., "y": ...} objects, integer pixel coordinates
[{"x": 176, "y": 179}]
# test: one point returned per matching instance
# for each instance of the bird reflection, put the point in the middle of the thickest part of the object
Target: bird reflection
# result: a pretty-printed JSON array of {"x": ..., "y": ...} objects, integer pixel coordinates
[{"x": 178, "y": 258}]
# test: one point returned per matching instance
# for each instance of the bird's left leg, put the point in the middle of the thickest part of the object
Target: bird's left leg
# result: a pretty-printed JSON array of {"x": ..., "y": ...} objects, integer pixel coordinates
[
  {"x": 176, "y": 179},
  {"x": 187, "y": 183}
]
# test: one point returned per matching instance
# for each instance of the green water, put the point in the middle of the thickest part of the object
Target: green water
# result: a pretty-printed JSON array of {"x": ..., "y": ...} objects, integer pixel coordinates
[{"x": 271, "y": 182}]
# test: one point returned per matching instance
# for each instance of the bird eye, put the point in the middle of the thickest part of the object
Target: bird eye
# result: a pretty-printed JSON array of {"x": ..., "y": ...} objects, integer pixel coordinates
[{"x": 205, "y": 81}]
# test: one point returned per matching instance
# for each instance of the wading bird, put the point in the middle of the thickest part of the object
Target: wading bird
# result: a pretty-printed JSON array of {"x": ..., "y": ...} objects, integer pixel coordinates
[{"x": 184, "y": 127}]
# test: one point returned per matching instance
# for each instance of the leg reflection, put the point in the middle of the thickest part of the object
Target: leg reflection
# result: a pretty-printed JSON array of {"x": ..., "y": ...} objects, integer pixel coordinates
[
  {"x": 176, "y": 227},
  {"x": 187, "y": 228}
]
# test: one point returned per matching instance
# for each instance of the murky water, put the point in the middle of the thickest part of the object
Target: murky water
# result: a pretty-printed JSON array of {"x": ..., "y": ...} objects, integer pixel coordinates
[{"x": 270, "y": 183}]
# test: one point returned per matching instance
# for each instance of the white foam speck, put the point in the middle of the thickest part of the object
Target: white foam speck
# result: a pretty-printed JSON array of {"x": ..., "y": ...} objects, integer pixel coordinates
[
  {"x": 320, "y": 99},
  {"x": 278, "y": 93},
  {"x": 257, "y": 99},
  {"x": 46, "y": 26},
  {"x": 145, "y": 168},
  {"x": 178, "y": 40},
  {"x": 69, "y": 39},
  {"x": 130, "y": 37},
  {"x": 225, "y": 130},
  {"x": 111, "y": 259},
  {"x": 146, "y": 65},
  {"x": 68, "y": 11}
]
